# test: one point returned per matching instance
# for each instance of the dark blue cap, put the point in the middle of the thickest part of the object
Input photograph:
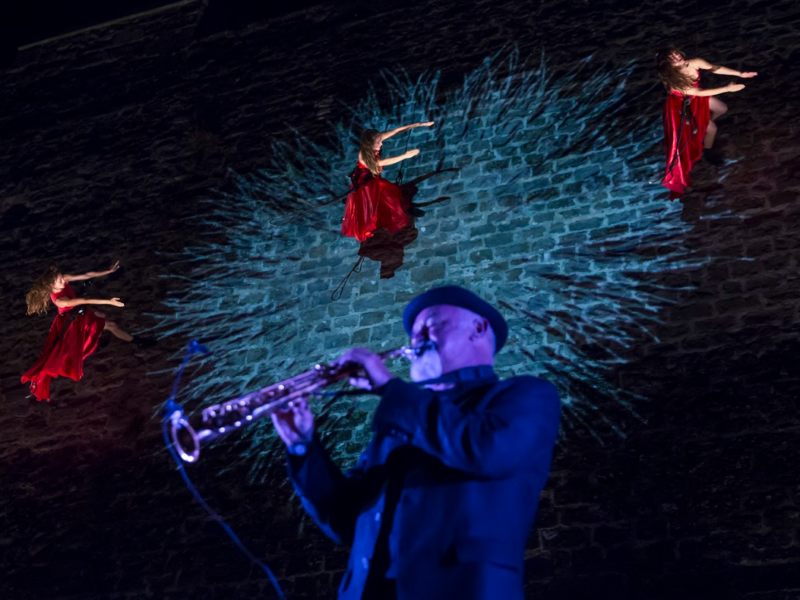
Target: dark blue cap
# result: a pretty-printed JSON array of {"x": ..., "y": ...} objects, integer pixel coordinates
[{"x": 457, "y": 296}]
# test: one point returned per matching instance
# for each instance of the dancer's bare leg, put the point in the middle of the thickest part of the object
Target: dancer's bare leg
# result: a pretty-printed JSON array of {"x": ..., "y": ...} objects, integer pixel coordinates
[
  {"x": 717, "y": 108},
  {"x": 711, "y": 133},
  {"x": 117, "y": 332}
]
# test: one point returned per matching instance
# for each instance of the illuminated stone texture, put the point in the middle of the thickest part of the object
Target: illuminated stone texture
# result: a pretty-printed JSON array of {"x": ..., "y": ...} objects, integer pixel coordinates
[{"x": 537, "y": 197}]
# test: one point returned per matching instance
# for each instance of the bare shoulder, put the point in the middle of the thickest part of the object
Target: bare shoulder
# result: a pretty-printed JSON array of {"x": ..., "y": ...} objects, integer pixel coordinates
[{"x": 699, "y": 63}]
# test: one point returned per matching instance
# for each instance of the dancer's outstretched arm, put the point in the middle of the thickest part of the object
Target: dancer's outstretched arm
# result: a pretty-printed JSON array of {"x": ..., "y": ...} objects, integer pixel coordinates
[
  {"x": 91, "y": 274},
  {"x": 396, "y": 159},
  {"x": 731, "y": 87},
  {"x": 387, "y": 134},
  {"x": 65, "y": 302},
  {"x": 699, "y": 63}
]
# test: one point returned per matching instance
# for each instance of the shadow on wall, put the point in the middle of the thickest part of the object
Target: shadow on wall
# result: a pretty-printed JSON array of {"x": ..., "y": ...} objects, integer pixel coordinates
[{"x": 389, "y": 248}]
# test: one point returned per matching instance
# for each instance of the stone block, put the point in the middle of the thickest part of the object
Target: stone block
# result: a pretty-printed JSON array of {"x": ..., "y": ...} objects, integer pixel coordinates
[
  {"x": 481, "y": 255},
  {"x": 784, "y": 197},
  {"x": 584, "y": 224},
  {"x": 428, "y": 274},
  {"x": 371, "y": 318},
  {"x": 360, "y": 337},
  {"x": 683, "y": 314},
  {"x": 736, "y": 305},
  {"x": 381, "y": 333},
  {"x": 381, "y": 300},
  {"x": 482, "y": 230},
  {"x": 498, "y": 240}
]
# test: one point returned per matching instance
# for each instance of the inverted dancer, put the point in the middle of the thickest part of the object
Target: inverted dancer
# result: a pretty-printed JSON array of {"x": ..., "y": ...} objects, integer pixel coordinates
[
  {"x": 689, "y": 113},
  {"x": 375, "y": 202},
  {"x": 75, "y": 331}
]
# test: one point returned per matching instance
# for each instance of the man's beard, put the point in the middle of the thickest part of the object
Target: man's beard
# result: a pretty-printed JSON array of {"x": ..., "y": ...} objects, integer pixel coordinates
[{"x": 428, "y": 365}]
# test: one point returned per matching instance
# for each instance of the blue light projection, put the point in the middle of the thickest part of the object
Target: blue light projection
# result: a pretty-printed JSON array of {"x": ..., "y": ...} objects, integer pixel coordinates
[{"x": 552, "y": 215}]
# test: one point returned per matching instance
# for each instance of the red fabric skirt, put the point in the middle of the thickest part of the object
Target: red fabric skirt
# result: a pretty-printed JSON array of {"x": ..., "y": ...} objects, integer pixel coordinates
[
  {"x": 377, "y": 203},
  {"x": 679, "y": 139},
  {"x": 64, "y": 354}
]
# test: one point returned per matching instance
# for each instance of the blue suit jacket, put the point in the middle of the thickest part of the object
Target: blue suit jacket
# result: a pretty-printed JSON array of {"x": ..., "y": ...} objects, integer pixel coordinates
[{"x": 444, "y": 497}]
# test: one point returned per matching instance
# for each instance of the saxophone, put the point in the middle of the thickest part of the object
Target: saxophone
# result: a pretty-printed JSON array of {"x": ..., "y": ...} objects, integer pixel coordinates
[{"x": 190, "y": 433}]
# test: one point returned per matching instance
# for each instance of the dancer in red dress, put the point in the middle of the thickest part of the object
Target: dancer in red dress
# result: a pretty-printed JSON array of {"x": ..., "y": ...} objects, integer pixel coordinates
[
  {"x": 375, "y": 202},
  {"x": 689, "y": 113},
  {"x": 74, "y": 333}
]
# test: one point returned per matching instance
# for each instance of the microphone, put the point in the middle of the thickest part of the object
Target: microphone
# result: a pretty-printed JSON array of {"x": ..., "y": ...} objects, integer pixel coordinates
[
  {"x": 172, "y": 410},
  {"x": 195, "y": 346}
]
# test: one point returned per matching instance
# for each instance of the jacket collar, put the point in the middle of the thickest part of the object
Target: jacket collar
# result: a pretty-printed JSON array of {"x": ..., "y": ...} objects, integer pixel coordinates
[{"x": 466, "y": 375}]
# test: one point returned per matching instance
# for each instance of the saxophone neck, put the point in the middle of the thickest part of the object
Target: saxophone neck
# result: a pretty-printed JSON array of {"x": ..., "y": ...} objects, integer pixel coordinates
[{"x": 409, "y": 352}]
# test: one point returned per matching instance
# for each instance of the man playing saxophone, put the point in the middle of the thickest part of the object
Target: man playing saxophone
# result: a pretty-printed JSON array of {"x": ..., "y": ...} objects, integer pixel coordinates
[{"x": 442, "y": 500}]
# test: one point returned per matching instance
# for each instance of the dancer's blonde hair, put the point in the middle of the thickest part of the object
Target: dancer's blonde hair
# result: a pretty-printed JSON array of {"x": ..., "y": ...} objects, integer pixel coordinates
[
  {"x": 38, "y": 299},
  {"x": 367, "y": 148},
  {"x": 668, "y": 73}
]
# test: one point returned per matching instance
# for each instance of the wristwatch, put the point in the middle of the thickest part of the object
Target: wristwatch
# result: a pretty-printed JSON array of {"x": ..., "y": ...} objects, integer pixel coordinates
[{"x": 298, "y": 449}]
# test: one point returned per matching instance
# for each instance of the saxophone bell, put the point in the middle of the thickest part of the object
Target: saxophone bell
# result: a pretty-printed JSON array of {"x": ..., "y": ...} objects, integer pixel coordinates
[{"x": 184, "y": 437}]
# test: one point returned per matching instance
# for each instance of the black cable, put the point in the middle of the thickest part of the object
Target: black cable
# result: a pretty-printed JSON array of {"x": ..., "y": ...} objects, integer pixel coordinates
[
  {"x": 686, "y": 114},
  {"x": 678, "y": 149},
  {"x": 172, "y": 410},
  {"x": 340, "y": 288}
]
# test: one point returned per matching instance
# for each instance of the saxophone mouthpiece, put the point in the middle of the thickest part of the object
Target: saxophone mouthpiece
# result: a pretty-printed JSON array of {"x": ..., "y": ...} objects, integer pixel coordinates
[{"x": 414, "y": 352}]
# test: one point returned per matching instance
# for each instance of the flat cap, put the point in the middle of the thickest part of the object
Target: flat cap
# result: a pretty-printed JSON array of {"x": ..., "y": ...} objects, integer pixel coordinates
[{"x": 453, "y": 295}]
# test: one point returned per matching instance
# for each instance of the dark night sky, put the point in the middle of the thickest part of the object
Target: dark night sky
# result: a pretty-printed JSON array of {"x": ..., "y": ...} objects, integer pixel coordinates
[
  {"x": 35, "y": 20},
  {"x": 29, "y": 22}
]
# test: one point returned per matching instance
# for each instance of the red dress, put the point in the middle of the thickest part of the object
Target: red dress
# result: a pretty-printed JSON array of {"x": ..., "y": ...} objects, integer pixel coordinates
[
  {"x": 374, "y": 203},
  {"x": 64, "y": 354},
  {"x": 681, "y": 141}
]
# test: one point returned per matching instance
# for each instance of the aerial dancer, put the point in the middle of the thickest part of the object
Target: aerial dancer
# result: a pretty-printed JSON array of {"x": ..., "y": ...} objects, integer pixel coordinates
[
  {"x": 75, "y": 331},
  {"x": 689, "y": 113},
  {"x": 375, "y": 202}
]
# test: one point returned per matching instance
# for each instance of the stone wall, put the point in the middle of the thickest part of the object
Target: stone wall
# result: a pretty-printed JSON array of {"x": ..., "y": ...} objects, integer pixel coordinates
[{"x": 113, "y": 138}]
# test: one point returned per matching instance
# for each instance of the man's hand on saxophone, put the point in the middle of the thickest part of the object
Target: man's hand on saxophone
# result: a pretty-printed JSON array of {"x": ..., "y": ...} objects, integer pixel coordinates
[
  {"x": 369, "y": 364},
  {"x": 295, "y": 423}
]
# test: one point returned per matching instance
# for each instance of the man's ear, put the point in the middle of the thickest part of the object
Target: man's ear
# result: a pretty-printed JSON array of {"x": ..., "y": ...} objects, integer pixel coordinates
[{"x": 480, "y": 327}]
